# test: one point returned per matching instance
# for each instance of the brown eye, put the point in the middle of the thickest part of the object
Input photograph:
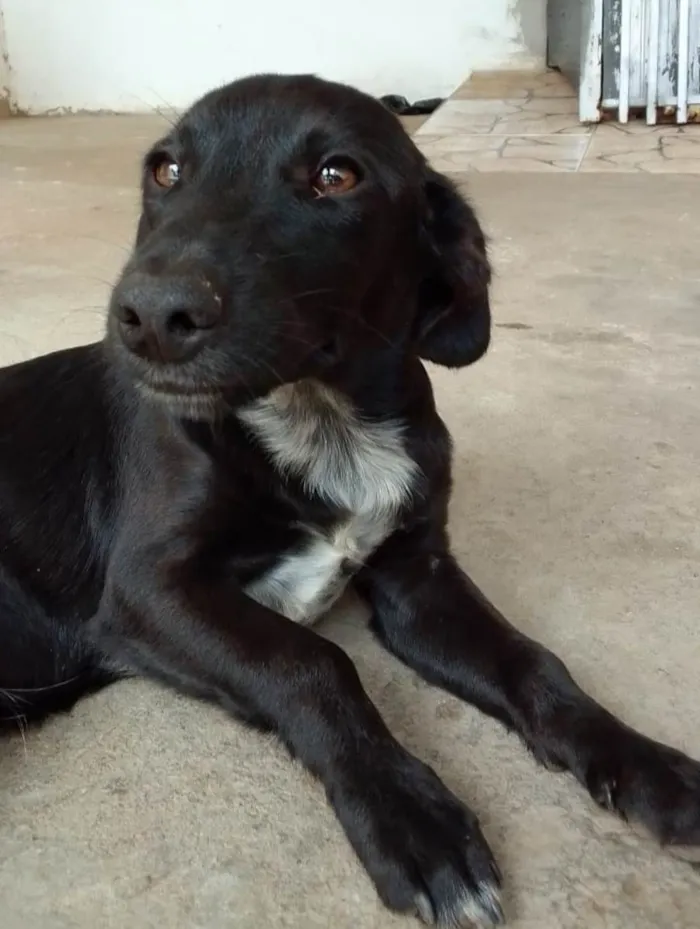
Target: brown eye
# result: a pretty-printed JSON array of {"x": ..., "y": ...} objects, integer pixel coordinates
[
  {"x": 166, "y": 173},
  {"x": 335, "y": 179}
]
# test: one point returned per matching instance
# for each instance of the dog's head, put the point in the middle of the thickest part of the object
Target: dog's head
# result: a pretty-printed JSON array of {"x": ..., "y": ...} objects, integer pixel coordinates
[{"x": 289, "y": 227}]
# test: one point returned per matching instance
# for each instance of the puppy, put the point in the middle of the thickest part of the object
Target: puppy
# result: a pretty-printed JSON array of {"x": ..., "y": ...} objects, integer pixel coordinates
[{"x": 256, "y": 430}]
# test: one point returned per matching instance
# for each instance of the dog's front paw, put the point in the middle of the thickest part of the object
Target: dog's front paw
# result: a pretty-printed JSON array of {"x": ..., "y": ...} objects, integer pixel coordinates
[
  {"x": 652, "y": 786},
  {"x": 423, "y": 849}
]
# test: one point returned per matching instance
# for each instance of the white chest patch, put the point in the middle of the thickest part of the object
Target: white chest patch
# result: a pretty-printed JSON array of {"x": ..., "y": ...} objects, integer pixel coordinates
[{"x": 360, "y": 467}]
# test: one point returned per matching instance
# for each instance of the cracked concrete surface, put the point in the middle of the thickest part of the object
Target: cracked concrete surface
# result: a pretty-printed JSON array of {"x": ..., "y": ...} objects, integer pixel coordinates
[{"x": 576, "y": 509}]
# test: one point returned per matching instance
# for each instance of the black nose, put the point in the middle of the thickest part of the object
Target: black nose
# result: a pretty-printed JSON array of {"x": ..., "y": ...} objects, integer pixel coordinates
[{"x": 166, "y": 318}]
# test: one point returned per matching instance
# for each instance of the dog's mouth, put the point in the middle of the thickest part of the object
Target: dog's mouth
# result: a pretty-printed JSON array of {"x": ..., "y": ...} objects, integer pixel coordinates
[
  {"x": 190, "y": 391},
  {"x": 188, "y": 401}
]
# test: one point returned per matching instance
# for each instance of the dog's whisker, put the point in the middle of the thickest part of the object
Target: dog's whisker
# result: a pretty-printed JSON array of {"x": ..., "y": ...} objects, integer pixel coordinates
[
  {"x": 168, "y": 119},
  {"x": 173, "y": 110},
  {"x": 12, "y": 695},
  {"x": 14, "y": 691},
  {"x": 19, "y": 718},
  {"x": 21, "y": 721},
  {"x": 287, "y": 335},
  {"x": 358, "y": 318},
  {"x": 93, "y": 238},
  {"x": 307, "y": 293},
  {"x": 95, "y": 312},
  {"x": 261, "y": 362},
  {"x": 98, "y": 280},
  {"x": 155, "y": 109}
]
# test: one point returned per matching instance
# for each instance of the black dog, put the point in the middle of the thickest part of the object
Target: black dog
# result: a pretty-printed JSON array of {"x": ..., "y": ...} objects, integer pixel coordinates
[{"x": 255, "y": 431}]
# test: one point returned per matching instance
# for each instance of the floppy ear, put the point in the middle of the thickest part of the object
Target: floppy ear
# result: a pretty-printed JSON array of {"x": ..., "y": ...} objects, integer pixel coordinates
[{"x": 453, "y": 323}]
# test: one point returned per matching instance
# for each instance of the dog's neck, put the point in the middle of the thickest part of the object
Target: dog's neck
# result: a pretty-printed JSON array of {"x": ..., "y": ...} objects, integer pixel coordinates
[
  {"x": 378, "y": 381},
  {"x": 315, "y": 432}
]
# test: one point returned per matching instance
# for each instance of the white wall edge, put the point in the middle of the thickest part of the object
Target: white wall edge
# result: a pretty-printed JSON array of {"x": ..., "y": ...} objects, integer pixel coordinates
[
  {"x": 5, "y": 70},
  {"x": 92, "y": 57}
]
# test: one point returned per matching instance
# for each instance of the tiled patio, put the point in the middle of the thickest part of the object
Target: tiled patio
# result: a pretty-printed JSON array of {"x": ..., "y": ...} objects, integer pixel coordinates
[{"x": 523, "y": 122}]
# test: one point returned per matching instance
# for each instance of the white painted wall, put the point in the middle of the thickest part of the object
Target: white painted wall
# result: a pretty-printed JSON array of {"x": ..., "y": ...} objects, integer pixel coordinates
[
  {"x": 4, "y": 66},
  {"x": 128, "y": 55}
]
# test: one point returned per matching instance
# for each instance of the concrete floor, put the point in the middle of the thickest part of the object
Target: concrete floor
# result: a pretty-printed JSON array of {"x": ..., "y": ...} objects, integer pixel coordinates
[{"x": 576, "y": 508}]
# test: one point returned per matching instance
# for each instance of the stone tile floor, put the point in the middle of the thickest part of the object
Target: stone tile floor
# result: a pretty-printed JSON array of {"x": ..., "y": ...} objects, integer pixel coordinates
[{"x": 505, "y": 121}]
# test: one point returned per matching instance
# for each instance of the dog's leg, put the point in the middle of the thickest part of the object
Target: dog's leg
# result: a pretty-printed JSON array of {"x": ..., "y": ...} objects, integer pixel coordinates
[
  {"x": 45, "y": 666},
  {"x": 421, "y": 846},
  {"x": 429, "y": 614}
]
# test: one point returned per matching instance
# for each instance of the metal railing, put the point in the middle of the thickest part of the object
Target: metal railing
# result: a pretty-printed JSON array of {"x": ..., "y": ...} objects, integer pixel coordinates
[{"x": 651, "y": 58}]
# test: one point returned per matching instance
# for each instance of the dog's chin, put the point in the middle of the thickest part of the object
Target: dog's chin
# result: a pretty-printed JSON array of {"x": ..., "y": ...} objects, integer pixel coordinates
[
  {"x": 188, "y": 392},
  {"x": 202, "y": 405}
]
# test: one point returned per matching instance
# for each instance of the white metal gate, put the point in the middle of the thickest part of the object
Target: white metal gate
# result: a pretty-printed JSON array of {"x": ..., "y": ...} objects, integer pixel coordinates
[{"x": 629, "y": 56}]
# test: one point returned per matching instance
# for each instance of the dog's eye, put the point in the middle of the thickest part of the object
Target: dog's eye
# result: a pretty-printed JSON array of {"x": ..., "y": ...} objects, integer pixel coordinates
[
  {"x": 166, "y": 172},
  {"x": 335, "y": 178}
]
